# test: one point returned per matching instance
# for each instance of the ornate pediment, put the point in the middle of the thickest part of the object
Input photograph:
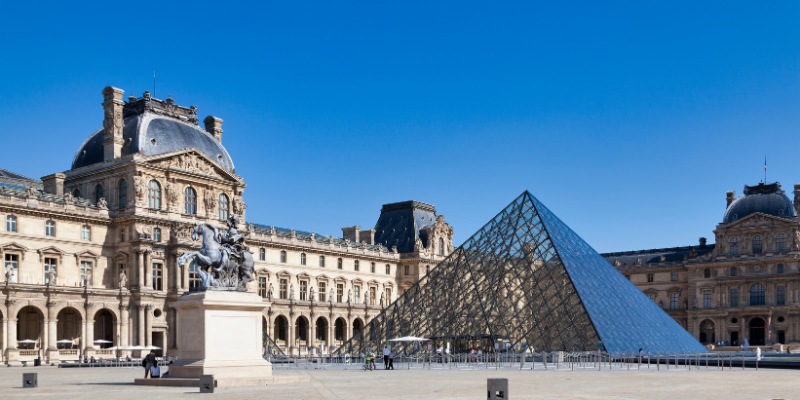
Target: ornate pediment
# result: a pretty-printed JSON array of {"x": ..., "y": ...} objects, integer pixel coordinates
[
  {"x": 759, "y": 220},
  {"x": 192, "y": 162}
]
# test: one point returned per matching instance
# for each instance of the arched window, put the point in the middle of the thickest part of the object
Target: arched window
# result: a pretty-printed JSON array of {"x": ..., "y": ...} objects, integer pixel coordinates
[
  {"x": 98, "y": 193},
  {"x": 441, "y": 246},
  {"x": 757, "y": 244},
  {"x": 302, "y": 258},
  {"x": 190, "y": 201},
  {"x": 757, "y": 295},
  {"x": 76, "y": 193},
  {"x": 154, "y": 195},
  {"x": 123, "y": 194},
  {"x": 223, "y": 207},
  {"x": 733, "y": 245}
]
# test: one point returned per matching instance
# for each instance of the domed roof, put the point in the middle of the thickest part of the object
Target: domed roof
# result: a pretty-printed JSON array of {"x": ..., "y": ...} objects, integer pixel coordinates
[
  {"x": 149, "y": 130},
  {"x": 767, "y": 199}
]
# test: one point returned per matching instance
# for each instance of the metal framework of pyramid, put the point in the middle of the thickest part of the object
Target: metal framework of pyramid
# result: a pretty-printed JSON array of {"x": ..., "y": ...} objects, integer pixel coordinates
[{"x": 528, "y": 280}]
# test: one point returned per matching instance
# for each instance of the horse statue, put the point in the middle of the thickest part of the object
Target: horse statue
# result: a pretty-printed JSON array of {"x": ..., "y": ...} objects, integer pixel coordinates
[{"x": 221, "y": 265}]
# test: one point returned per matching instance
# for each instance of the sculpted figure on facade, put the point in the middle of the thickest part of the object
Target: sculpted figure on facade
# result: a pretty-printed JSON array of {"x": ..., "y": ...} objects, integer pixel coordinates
[
  {"x": 102, "y": 203},
  {"x": 311, "y": 294},
  {"x": 349, "y": 295},
  {"x": 51, "y": 277},
  {"x": 123, "y": 279},
  {"x": 171, "y": 194},
  {"x": 270, "y": 291},
  {"x": 330, "y": 296},
  {"x": 68, "y": 197},
  {"x": 138, "y": 187},
  {"x": 291, "y": 291},
  {"x": 238, "y": 205},
  {"x": 209, "y": 201}
]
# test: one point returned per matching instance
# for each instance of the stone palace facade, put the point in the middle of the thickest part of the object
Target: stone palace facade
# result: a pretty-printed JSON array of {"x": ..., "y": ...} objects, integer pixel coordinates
[
  {"x": 90, "y": 254},
  {"x": 744, "y": 287}
]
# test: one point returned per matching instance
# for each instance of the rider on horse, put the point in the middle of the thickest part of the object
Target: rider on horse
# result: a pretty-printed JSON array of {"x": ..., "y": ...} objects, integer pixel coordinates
[{"x": 232, "y": 241}]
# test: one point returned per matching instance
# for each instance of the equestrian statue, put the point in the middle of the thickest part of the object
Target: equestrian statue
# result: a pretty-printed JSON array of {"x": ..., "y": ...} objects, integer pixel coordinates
[{"x": 223, "y": 262}]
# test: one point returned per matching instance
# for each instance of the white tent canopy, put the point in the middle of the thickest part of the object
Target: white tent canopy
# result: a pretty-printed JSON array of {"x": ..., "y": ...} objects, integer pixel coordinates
[{"x": 409, "y": 339}]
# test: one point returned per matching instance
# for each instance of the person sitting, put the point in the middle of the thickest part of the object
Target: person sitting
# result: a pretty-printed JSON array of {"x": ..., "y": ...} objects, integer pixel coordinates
[{"x": 155, "y": 370}]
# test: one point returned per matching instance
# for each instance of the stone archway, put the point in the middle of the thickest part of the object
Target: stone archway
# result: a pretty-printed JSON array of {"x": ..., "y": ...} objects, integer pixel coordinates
[
  {"x": 707, "y": 335},
  {"x": 340, "y": 330},
  {"x": 68, "y": 327},
  {"x": 281, "y": 330},
  {"x": 321, "y": 335},
  {"x": 30, "y": 326},
  {"x": 301, "y": 333},
  {"x": 757, "y": 330},
  {"x": 104, "y": 329},
  {"x": 358, "y": 325}
]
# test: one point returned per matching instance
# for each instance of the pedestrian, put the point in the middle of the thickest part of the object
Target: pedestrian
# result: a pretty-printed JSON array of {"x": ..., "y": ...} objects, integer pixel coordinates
[
  {"x": 148, "y": 362},
  {"x": 391, "y": 360},
  {"x": 386, "y": 352}
]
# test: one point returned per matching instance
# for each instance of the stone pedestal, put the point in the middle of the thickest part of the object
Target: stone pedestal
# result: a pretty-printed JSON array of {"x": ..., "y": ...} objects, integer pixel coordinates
[{"x": 219, "y": 333}]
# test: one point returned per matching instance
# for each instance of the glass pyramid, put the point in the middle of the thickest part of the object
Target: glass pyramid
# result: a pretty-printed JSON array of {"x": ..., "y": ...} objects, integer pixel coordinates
[{"x": 527, "y": 281}]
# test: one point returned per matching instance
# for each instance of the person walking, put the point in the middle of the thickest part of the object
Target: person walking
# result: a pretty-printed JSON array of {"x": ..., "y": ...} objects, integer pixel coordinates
[
  {"x": 386, "y": 352},
  {"x": 391, "y": 360}
]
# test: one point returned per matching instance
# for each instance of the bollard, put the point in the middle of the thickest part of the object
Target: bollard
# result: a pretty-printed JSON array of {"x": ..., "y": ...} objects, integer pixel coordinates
[
  {"x": 207, "y": 384},
  {"x": 30, "y": 380},
  {"x": 497, "y": 388}
]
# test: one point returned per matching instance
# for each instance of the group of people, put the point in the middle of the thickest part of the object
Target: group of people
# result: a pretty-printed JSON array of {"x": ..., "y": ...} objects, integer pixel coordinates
[
  {"x": 150, "y": 364},
  {"x": 388, "y": 360}
]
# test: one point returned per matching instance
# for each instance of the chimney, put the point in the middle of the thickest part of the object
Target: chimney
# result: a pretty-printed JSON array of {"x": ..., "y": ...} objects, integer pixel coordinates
[
  {"x": 702, "y": 242},
  {"x": 351, "y": 233},
  {"x": 797, "y": 198},
  {"x": 367, "y": 235},
  {"x": 730, "y": 197},
  {"x": 54, "y": 184},
  {"x": 112, "y": 123},
  {"x": 214, "y": 127}
]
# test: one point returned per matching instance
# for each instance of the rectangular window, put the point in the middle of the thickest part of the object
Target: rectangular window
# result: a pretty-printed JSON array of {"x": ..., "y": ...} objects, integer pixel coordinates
[
  {"x": 86, "y": 273},
  {"x": 323, "y": 290},
  {"x": 707, "y": 273},
  {"x": 357, "y": 294},
  {"x": 86, "y": 232},
  {"x": 673, "y": 301},
  {"x": 12, "y": 267},
  {"x": 322, "y": 261},
  {"x": 194, "y": 276},
  {"x": 780, "y": 295},
  {"x": 650, "y": 278},
  {"x": 11, "y": 223},
  {"x": 388, "y": 296},
  {"x": 284, "y": 283},
  {"x": 283, "y": 256},
  {"x": 339, "y": 292},
  {"x": 674, "y": 276},
  {"x": 262, "y": 286},
  {"x": 372, "y": 292},
  {"x": 50, "y": 228},
  {"x": 158, "y": 276},
  {"x": 406, "y": 270},
  {"x": 779, "y": 268},
  {"x": 355, "y": 265},
  {"x": 734, "y": 271},
  {"x": 157, "y": 235},
  {"x": 372, "y": 267},
  {"x": 339, "y": 263},
  {"x": 733, "y": 296},
  {"x": 262, "y": 254},
  {"x": 388, "y": 269},
  {"x": 706, "y": 298},
  {"x": 49, "y": 266},
  {"x": 303, "y": 290}
]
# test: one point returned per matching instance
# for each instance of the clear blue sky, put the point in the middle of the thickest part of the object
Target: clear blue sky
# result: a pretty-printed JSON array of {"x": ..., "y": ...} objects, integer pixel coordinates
[{"x": 630, "y": 120}]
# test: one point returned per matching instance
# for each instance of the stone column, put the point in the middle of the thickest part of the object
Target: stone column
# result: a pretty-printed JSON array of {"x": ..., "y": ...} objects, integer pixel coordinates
[
  {"x": 148, "y": 323},
  {"x": 89, "y": 334},
  {"x": 165, "y": 274},
  {"x": 312, "y": 326},
  {"x": 140, "y": 268},
  {"x": 331, "y": 332},
  {"x": 4, "y": 344},
  {"x": 148, "y": 270},
  {"x": 140, "y": 325},
  {"x": 184, "y": 276},
  {"x": 290, "y": 338},
  {"x": 123, "y": 325},
  {"x": 12, "y": 325}
]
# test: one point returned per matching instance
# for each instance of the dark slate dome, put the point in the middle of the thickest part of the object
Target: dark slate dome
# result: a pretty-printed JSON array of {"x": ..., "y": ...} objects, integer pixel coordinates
[
  {"x": 767, "y": 199},
  {"x": 151, "y": 127}
]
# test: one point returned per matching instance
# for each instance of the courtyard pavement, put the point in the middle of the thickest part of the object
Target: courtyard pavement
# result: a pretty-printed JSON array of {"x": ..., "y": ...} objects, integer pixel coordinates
[{"x": 676, "y": 383}]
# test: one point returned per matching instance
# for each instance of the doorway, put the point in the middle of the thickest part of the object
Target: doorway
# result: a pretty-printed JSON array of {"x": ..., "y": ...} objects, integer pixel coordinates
[{"x": 757, "y": 332}]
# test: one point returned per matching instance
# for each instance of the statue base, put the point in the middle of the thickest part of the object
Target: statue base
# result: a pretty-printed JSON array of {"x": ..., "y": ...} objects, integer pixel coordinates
[{"x": 219, "y": 333}]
